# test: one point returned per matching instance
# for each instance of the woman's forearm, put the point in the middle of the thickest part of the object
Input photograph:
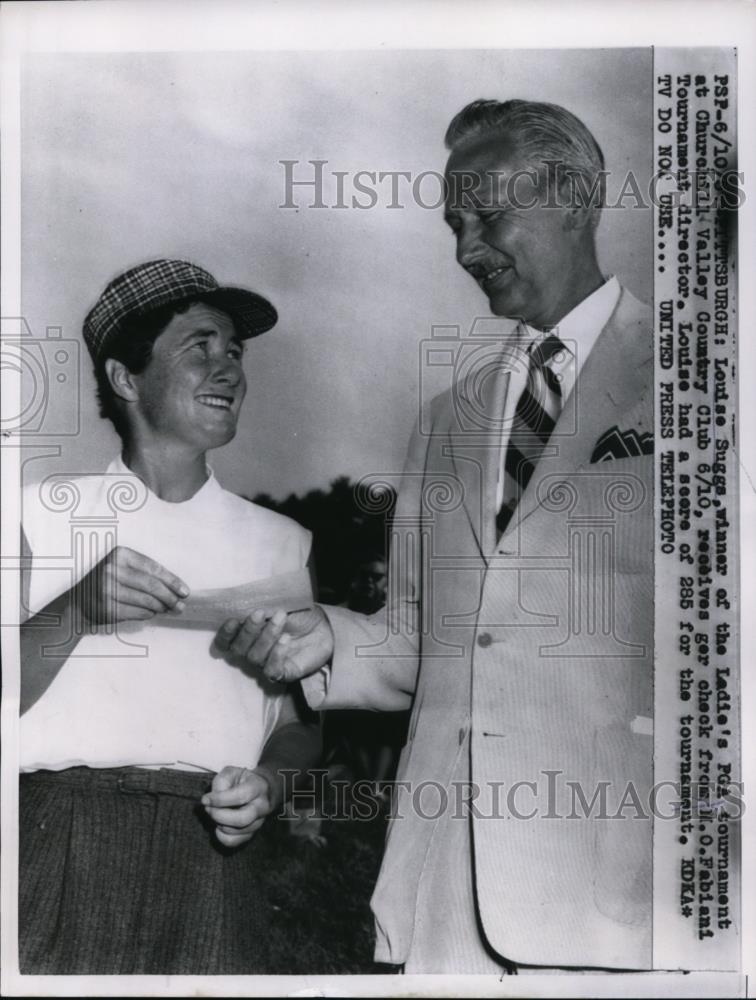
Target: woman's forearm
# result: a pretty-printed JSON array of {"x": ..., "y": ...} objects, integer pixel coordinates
[
  {"x": 47, "y": 640},
  {"x": 294, "y": 747}
]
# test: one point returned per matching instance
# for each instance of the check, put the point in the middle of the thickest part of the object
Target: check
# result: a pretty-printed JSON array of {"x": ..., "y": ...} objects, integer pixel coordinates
[{"x": 290, "y": 591}]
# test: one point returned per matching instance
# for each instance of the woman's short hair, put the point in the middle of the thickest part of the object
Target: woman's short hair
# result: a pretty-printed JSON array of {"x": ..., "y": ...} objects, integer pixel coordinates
[{"x": 132, "y": 346}]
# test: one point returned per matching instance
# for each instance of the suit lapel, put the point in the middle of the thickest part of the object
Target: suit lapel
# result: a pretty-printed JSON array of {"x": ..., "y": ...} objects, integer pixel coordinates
[
  {"x": 610, "y": 383},
  {"x": 474, "y": 444}
]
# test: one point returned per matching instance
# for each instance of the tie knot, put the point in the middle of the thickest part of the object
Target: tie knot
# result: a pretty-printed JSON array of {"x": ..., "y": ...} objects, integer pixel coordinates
[{"x": 544, "y": 350}]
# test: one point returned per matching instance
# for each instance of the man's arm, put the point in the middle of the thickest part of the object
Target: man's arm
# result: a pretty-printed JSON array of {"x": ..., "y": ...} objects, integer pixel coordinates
[{"x": 124, "y": 586}]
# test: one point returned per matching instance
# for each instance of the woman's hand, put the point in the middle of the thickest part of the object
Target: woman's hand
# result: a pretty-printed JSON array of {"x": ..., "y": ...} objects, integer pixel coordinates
[
  {"x": 127, "y": 586},
  {"x": 123, "y": 586},
  {"x": 238, "y": 802}
]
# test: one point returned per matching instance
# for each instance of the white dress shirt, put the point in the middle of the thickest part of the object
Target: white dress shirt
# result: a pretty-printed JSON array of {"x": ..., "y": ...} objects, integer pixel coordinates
[{"x": 578, "y": 331}]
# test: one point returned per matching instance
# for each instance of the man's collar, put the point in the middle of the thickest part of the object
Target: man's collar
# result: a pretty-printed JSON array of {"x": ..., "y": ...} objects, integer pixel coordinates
[{"x": 580, "y": 328}]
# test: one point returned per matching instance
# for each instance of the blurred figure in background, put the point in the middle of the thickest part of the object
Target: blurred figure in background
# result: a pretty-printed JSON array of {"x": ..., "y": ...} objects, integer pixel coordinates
[{"x": 367, "y": 591}]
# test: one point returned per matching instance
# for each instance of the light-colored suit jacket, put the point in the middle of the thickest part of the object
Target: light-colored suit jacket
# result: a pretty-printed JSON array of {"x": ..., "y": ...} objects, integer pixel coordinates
[{"x": 540, "y": 646}]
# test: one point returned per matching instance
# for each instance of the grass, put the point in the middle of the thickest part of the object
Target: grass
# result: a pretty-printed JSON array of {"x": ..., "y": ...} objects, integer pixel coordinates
[{"x": 319, "y": 896}]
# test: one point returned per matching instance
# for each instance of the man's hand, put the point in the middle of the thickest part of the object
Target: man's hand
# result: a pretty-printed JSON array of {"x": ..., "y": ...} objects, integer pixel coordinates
[
  {"x": 127, "y": 586},
  {"x": 287, "y": 647},
  {"x": 238, "y": 802}
]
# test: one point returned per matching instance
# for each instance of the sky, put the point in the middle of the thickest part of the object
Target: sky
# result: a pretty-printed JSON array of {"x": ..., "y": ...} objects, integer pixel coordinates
[{"x": 131, "y": 156}]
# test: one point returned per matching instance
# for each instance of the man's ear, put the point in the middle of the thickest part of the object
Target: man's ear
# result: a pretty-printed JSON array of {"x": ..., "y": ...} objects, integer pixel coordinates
[
  {"x": 579, "y": 217},
  {"x": 121, "y": 380},
  {"x": 581, "y": 208}
]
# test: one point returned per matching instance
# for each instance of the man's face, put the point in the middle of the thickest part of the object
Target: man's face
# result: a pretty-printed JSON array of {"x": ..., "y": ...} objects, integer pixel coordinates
[
  {"x": 368, "y": 591},
  {"x": 192, "y": 389},
  {"x": 372, "y": 580},
  {"x": 519, "y": 251}
]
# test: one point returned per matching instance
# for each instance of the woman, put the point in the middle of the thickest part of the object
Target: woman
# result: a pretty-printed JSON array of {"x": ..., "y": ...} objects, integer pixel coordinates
[{"x": 148, "y": 754}]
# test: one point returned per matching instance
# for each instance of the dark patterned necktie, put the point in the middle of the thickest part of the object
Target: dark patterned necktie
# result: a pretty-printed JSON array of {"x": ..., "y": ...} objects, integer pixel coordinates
[{"x": 535, "y": 417}]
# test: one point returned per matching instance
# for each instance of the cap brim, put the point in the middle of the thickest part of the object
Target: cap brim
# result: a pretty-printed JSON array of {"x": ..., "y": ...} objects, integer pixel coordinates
[{"x": 251, "y": 313}]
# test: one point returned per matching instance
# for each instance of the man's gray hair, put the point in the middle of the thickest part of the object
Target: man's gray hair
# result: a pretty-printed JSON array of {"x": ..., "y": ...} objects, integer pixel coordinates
[{"x": 542, "y": 133}]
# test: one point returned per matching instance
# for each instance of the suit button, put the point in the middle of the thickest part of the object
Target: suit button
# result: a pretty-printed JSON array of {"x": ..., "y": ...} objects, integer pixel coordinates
[{"x": 484, "y": 639}]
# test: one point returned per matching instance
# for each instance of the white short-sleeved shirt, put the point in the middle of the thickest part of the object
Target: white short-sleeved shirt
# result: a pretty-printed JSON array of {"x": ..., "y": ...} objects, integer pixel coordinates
[{"x": 147, "y": 694}]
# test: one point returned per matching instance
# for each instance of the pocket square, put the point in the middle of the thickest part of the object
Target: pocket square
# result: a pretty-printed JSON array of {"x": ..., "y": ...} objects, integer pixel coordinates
[{"x": 615, "y": 443}]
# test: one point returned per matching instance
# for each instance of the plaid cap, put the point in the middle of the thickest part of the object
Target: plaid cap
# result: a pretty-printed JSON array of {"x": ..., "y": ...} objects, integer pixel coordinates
[{"x": 160, "y": 282}]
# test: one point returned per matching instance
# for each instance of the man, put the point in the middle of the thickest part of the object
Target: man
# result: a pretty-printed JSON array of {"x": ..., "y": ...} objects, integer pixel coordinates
[
  {"x": 367, "y": 590},
  {"x": 519, "y": 623},
  {"x": 132, "y": 721}
]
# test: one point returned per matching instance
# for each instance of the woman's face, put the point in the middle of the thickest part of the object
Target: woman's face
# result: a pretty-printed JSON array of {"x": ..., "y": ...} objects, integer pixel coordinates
[{"x": 192, "y": 389}]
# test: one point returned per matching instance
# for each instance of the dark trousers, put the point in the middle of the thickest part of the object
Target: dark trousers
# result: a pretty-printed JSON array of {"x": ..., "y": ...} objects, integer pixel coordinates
[{"x": 120, "y": 873}]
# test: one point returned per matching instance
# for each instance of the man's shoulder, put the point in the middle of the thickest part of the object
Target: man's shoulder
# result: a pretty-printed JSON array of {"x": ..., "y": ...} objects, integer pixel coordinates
[
  {"x": 628, "y": 334},
  {"x": 631, "y": 311},
  {"x": 443, "y": 405}
]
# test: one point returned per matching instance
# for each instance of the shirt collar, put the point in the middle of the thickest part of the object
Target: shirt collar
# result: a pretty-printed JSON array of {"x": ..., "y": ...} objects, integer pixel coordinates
[
  {"x": 203, "y": 496},
  {"x": 580, "y": 328}
]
